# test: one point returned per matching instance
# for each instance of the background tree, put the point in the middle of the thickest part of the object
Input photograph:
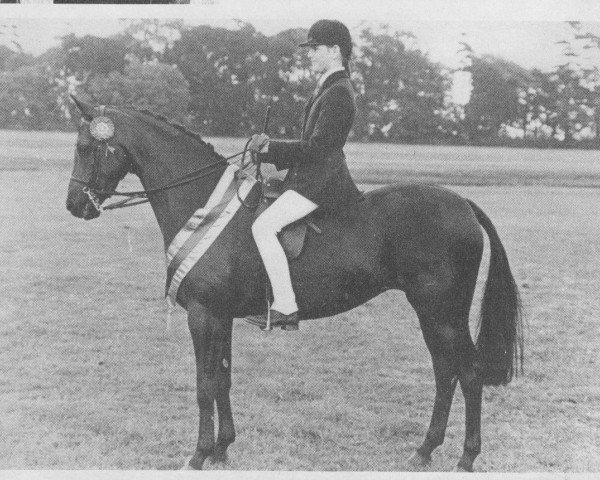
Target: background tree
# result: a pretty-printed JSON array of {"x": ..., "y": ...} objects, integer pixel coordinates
[
  {"x": 401, "y": 92},
  {"x": 88, "y": 56},
  {"x": 152, "y": 85},
  {"x": 11, "y": 60},
  {"x": 149, "y": 38},
  {"x": 223, "y": 68},
  {"x": 287, "y": 83},
  {"x": 26, "y": 98},
  {"x": 580, "y": 75},
  {"x": 494, "y": 100},
  {"x": 221, "y": 80},
  {"x": 568, "y": 99}
]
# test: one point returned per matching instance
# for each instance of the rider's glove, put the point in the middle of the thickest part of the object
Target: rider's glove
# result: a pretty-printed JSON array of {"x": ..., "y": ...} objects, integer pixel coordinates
[{"x": 259, "y": 143}]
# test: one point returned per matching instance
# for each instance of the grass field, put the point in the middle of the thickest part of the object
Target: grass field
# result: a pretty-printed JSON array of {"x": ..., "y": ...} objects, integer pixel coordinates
[{"x": 90, "y": 378}]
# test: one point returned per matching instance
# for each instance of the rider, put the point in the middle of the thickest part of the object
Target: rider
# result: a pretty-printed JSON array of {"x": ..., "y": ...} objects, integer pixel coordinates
[{"x": 318, "y": 175}]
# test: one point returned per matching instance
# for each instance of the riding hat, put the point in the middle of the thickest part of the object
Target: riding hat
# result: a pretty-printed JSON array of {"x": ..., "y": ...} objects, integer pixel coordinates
[{"x": 330, "y": 32}]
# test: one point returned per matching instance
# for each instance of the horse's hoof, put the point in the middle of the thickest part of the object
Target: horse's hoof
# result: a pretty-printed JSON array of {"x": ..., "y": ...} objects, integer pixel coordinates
[
  {"x": 194, "y": 463},
  {"x": 219, "y": 458},
  {"x": 187, "y": 465},
  {"x": 463, "y": 468},
  {"x": 418, "y": 461}
]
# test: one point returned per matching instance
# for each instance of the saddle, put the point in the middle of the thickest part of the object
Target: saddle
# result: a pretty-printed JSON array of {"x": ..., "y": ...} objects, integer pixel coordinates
[{"x": 292, "y": 237}]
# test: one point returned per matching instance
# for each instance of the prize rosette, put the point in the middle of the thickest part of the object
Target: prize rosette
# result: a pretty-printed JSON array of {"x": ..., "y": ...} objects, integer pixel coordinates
[{"x": 102, "y": 128}]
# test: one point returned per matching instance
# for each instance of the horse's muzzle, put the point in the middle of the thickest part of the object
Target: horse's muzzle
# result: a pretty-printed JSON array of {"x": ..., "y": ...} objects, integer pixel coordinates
[{"x": 79, "y": 204}]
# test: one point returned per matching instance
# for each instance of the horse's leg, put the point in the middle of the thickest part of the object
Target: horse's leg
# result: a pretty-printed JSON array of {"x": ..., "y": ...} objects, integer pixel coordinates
[
  {"x": 445, "y": 372},
  {"x": 208, "y": 332},
  {"x": 453, "y": 355},
  {"x": 442, "y": 303},
  {"x": 226, "y": 435},
  {"x": 472, "y": 387}
]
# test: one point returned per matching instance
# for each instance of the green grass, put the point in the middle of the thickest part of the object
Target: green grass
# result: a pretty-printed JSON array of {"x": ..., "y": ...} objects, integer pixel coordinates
[{"x": 91, "y": 378}]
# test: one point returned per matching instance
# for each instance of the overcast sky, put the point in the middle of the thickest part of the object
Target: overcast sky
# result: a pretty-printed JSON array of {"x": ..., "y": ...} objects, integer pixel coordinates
[{"x": 522, "y": 31}]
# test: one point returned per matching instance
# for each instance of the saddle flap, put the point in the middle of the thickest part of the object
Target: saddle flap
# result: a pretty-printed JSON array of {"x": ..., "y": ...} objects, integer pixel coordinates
[{"x": 292, "y": 239}]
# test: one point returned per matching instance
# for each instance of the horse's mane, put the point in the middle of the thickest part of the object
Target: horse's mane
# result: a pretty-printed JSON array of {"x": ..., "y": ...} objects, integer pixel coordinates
[{"x": 178, "y": 126}]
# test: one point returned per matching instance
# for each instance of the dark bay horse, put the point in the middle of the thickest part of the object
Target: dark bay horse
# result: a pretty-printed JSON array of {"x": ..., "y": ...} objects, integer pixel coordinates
[{"x": 424, "y": 240}]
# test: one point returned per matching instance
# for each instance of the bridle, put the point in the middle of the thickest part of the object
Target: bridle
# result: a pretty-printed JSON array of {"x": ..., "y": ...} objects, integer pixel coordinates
[{"x": 102, "y": 149}]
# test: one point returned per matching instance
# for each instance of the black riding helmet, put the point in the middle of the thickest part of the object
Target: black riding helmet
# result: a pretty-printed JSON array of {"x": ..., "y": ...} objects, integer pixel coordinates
[{"x": 330, "y": 32}]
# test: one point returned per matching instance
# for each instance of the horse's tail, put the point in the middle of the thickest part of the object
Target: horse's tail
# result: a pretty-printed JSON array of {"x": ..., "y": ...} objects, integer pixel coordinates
[{"x": 500, "y": 339}]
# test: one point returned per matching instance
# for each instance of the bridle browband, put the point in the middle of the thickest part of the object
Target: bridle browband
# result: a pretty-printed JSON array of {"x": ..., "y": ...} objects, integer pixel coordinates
[{"x": 140, "y": 195}]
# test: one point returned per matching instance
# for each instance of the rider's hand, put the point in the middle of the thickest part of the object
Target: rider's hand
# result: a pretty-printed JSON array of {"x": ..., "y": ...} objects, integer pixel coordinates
[{"x": 258, "y": 142}]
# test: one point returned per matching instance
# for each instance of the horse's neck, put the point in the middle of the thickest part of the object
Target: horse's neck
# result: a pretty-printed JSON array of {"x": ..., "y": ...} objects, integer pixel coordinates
[{"x": 173, "y": 207}]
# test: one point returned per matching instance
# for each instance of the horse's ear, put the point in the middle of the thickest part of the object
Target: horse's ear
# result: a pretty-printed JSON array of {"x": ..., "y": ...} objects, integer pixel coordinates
[{"x": 87, "y": 110}]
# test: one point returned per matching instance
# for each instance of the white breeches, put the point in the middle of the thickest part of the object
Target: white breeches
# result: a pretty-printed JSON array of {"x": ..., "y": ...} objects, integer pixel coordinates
[{"x": 288, "y": 208}]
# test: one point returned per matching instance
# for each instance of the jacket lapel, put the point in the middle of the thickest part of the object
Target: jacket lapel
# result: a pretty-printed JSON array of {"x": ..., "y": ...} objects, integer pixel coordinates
[
  {"x": 330, "y": 80},
  {"x": 307, "y": 108}
]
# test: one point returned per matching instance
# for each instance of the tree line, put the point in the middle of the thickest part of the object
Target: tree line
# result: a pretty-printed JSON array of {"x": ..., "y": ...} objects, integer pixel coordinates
[{"x": 220, "y": 81}]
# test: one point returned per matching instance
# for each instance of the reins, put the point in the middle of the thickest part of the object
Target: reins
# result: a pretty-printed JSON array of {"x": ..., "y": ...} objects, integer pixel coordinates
[
  {"x": 143, "y": 194},
  {"x": 255, "y": 159},
  {"x": 102, "y": 129}
]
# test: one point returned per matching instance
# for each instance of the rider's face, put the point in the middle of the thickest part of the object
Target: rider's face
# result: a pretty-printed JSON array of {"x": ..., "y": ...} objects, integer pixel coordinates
[{"x": 322, "y": 57}]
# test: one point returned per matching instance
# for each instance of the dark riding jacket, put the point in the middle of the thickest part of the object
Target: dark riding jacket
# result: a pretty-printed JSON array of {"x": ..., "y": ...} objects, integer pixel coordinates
[{"x": 317, "y": 164}]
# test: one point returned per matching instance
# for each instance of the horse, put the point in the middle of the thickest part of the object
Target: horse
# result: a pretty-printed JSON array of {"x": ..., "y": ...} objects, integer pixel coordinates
[{"x": 424, "y": 240}]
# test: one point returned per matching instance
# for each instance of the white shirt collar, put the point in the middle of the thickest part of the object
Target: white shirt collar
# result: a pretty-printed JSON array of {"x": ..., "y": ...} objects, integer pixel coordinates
[{"x": 327, "y": 74}]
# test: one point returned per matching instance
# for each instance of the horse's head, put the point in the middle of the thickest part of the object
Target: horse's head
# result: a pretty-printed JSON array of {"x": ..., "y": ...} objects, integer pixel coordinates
[{"x": 101, "y": 160}]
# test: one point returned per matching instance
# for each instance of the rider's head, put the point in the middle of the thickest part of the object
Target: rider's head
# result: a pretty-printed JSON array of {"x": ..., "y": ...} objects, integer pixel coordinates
[{"x": 330, "y": 45}]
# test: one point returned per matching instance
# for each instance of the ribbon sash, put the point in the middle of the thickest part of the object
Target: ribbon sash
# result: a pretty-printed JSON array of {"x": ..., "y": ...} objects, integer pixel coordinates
[{"x": 202, "y": 229}]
